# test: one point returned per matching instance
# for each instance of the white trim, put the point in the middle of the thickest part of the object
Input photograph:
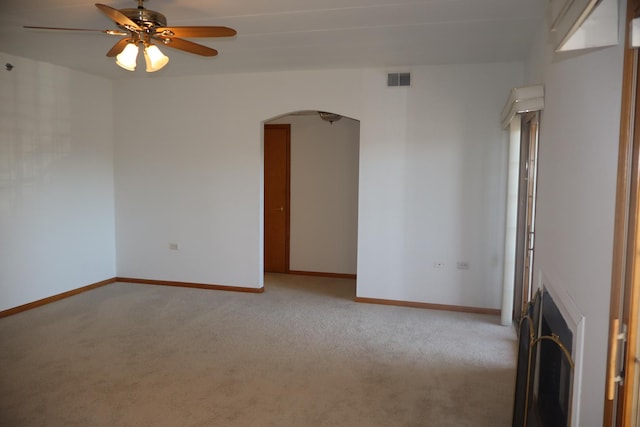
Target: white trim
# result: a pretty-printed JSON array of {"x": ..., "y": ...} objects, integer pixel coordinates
[
  {"x": 522, "y": 100},
  {"x": 510, "y": 235}
]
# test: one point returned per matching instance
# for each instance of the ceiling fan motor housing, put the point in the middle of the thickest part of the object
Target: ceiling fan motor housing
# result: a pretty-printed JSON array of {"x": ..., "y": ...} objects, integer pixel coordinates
[{"x": 145, "y": 18}]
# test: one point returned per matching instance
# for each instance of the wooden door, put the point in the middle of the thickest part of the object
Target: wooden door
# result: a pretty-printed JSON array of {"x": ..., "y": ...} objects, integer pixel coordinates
[
  {"x": 623, "y": 360},
  {"x": 277, "y": 148}
]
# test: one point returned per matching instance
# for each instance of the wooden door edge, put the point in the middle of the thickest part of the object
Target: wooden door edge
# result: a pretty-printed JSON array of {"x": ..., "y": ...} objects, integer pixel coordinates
[{"x": 622, "y": 206}]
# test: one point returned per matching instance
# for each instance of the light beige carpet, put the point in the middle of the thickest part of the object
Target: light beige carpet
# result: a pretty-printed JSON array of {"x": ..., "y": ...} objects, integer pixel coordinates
[{"x": 301, "y": 354}]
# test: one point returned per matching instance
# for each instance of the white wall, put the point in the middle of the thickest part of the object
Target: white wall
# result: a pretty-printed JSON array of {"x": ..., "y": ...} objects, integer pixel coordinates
[
  {"x": 433, "y": 186},
  {"x": 576, "y": 193},
  {"x": 196, "y": 176},
  {"x": 324, "y": 194},
  {"x": 432, "y": 176},
  {"x": 56, "y": 181}
]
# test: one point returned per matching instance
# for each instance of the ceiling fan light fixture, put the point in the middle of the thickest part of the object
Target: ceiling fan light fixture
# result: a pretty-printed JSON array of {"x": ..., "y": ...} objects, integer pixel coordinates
[
  {"x": 127, "y": 58},
  {"x": 154, "y": 58},
  {"x": 142, "y": 26}
]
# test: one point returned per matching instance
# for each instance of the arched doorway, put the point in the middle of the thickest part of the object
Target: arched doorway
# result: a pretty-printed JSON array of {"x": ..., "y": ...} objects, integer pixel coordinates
[{"x": 320, "y": 205}]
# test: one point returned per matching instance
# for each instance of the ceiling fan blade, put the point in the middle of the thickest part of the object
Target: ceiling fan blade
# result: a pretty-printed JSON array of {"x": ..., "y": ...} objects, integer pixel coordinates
[
  {"x": 110, "y": 32},
  {"x": 187, "y": 46},
  {"x": 118, "y": 17},
  {"x": 118, "y": 47},
  {"x": 196, "y": 31}
]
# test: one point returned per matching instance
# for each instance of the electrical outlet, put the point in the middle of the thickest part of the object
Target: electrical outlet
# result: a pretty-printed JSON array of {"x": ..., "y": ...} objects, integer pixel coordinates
[
  {"x": 174, "y": 246},
  {"x": 463, "y": 265},
  {"x": 438, "y": 265}
]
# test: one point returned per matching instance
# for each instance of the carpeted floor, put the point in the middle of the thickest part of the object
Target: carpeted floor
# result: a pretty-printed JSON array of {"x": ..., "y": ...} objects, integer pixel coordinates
[{"x": 301, "y": 354}]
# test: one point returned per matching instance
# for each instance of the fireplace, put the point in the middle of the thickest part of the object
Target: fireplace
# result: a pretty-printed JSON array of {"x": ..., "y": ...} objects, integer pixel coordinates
[{"x": 549, "y": 360}]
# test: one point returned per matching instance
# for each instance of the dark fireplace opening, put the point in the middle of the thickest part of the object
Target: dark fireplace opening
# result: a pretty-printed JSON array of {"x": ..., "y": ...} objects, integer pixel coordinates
[
  {"x": 547, "y": 399},
  {"x": 554, "y": 373}
]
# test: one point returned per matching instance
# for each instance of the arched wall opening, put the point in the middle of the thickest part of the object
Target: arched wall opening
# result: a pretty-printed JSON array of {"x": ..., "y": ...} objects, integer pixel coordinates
[{"x": 322, "y": 233}]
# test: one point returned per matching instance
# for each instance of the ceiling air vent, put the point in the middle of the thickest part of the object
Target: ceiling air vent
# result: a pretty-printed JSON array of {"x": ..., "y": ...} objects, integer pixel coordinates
[{"x": 399, "y": 79}]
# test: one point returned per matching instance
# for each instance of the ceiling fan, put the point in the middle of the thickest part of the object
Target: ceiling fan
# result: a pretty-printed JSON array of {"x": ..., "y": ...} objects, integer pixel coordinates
[{"x": 145, "y": 27}]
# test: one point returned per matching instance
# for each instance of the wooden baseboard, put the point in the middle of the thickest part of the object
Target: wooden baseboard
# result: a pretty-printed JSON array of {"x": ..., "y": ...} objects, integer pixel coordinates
[
  {"x": 191, "y": 285},
  {"x": 429, "y": 306},
  {"x": 321, "y": 274},
  {"x": 54, "y": 298}
]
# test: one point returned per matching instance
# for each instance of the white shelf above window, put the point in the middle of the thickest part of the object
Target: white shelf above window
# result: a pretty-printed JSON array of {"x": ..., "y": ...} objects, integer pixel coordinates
[{"x": 583, "y": 24}]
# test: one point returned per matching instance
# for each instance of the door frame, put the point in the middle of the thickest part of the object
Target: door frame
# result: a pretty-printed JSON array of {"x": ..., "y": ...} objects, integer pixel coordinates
[
  {"x": 526, "y": 212},
  {"x": 621, "y": 396}
]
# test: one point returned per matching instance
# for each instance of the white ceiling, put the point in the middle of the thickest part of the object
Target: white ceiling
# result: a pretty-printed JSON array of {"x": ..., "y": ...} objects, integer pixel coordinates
[{"x": 285, "y": 34}]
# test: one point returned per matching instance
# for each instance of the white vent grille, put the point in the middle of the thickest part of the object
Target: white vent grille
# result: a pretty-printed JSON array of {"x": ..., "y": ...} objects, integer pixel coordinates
[{"x": 399, "y": 79}]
